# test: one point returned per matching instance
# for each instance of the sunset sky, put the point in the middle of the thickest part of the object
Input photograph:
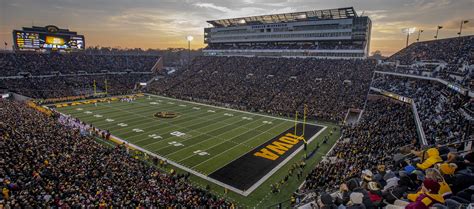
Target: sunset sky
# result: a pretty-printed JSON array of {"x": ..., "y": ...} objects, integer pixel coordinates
[{"x": 165, "y": 23}]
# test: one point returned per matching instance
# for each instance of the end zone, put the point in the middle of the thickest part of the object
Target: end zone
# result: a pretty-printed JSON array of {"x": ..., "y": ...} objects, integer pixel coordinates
[{"x": 253, "y": 168}]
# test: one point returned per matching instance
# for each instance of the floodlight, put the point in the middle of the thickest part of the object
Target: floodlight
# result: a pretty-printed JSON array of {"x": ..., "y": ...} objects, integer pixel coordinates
[
  {"x": 189, "y": 38},
  {"x": 408, "y": 30}
]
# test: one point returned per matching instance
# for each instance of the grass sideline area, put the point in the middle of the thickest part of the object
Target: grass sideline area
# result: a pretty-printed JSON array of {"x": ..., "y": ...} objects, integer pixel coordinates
[{"x": 203, "y": 138}]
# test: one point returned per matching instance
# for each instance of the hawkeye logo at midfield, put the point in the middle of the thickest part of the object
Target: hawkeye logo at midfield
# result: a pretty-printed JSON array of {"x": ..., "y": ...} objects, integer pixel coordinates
[{"x": 279, "y": 147}]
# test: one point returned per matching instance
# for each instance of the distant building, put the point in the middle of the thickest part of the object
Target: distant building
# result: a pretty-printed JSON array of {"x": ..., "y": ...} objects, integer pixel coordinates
[{"x": 333, "y": 33}]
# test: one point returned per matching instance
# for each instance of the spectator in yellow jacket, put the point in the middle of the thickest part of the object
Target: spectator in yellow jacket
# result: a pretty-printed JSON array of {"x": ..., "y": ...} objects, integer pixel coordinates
[
  {"x": 434, "y": 174},
  {"x": 429, "y": 157}
]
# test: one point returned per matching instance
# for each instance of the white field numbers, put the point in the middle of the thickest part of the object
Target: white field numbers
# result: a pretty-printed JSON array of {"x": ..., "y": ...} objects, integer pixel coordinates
[
  {"x": 200, "y": 153},
  {"x": 177, "y": 133},
  {"x": 155, "y": 136},
  {"x": 176, "y": 144}
]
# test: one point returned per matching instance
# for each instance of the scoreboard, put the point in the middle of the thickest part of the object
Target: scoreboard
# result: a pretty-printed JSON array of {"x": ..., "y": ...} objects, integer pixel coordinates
[
  {"x": 27, "y": 40},
  {"x": 31, "y": 40},
  {"x": 47, "y": 38}
]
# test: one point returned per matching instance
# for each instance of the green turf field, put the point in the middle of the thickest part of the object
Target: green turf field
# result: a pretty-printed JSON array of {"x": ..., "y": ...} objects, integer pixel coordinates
[{"x": 201, "y": 138}]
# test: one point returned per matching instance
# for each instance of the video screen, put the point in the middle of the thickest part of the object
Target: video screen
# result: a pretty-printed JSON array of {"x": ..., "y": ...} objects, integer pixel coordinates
[{"x": 27, "y": 40}]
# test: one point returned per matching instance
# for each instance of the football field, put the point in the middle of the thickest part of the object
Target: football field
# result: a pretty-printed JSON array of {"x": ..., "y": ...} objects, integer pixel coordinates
[{"x": 234, "y": 149}]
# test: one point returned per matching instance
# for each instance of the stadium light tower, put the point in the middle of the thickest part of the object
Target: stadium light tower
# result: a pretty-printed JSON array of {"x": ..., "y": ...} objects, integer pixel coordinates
[
  {"x": 460, "y": 28},
  {"x": 437, "y": 31},
  {"x": 419, "y": 35},
  {"x": 189, "y": 39},
  {"x": 408, "y": 31}
]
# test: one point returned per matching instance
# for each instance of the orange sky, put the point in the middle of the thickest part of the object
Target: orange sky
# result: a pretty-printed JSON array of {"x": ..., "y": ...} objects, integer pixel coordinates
[{"x": 166, "y": 23}]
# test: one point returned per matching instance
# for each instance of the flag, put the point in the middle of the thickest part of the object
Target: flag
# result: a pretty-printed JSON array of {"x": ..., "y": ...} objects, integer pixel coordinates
[
  {"x": 440, "y": 27},
  {"x": 465, "y": 21}
]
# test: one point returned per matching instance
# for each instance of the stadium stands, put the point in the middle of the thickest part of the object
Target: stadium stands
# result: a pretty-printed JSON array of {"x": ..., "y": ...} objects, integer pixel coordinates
[
  {"x": 11, "y": 64},
  {"x": 450, "y": 60},
  {"x": 333, "y": 46},
  {"x": 378, "y": 160},
  {"x": 62, "y": 86},
  {"x": 384, "y": 127},
  {"x": 275, "y": 86},
  {"x": 440, "y": 109},
  {"x": 451, "y": 50},
  {"x": 369, "y": 168},
  {"x": 48, "y": 164}
]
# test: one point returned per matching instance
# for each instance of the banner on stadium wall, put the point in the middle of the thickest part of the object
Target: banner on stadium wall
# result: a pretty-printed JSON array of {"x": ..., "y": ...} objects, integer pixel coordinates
[
  {"x": 92, "y": 101},
  {"x": 39, "y": 108},
  {"x": 4, "y": 96},
  {"x": 397, "y": 97}
]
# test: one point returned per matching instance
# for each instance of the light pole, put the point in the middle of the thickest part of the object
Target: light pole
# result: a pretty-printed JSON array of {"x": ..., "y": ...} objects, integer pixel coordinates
[
  {"x": 419, "y": 34},
  {"x": 460, "y": 28},
  {"x": 437, "y": 31},
  {"x": 189, "y": 38},
  {"x": 408, "y": 31}
]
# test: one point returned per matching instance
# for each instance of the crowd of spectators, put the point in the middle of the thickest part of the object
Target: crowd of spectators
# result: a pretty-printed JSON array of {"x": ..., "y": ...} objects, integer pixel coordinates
[
  {"x": 46, "y": 164},
  {"x": 11, "y": 64},
  {"x": 454, "y": 56},
  {"x": 62, "y": 86},
  {"x": 438, "y": 107},
  {"x": 451, "y": 50},
  {"x": 384, "y": 127},
  {"x": 278, "y": 86},
  {"x": 378, "y": 164},
  {"x": 455, "y": 74}
]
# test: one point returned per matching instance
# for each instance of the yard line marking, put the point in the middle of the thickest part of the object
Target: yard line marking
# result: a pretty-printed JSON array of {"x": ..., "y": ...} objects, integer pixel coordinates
[
  {"x": 141, "y": 124},
  {"x": 100, "y": 108},
  {"x": 193, "y": 117},
  {"x": 146, "y": 118},
  {"x": 171, "y": 125},
  {"x": 108, "y": 112},
  {"x": 200, "y": 134},
  {"x": 144, "y": 109},
  {"x": 243, "y": 143},
  {"x": 167, "y": 129},
  {"x": 208, "y": 148},
  {"x": 215, "y": 137},
  {"x": 148, "y": 111},
  {"x": 224, "y": 108}
]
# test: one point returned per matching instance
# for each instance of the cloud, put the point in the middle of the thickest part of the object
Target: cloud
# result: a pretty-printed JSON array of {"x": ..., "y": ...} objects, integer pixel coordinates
[
  {"x": 166, "y": 23},
  {"x": 212, "y": 6},
  {"x": 429, "y": 4},
  {"x": 375, "y": 14}
]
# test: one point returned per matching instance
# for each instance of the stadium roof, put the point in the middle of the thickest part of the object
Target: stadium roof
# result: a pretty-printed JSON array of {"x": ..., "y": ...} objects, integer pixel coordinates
[{"x": 326, "y": 14}]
